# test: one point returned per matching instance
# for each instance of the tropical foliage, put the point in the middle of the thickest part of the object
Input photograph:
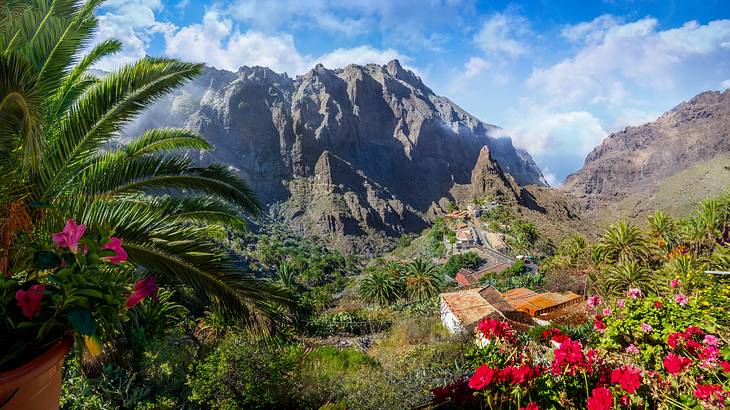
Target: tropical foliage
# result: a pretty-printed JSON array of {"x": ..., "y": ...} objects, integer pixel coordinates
[
  {"x": 626, "y": 257},
  {"x": 59, "y": 124}
]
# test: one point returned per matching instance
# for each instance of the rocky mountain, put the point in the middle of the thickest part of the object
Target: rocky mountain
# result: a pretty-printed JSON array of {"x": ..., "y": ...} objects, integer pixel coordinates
[
  {"x": 671, "y": 163},
  {"x": 359, "y": 151}
]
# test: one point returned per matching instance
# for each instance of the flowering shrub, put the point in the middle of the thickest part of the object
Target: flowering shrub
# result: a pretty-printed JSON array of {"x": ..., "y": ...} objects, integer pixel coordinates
[
  {"x": 645, "y": 351},
  {"x": 79, "y": 284}
]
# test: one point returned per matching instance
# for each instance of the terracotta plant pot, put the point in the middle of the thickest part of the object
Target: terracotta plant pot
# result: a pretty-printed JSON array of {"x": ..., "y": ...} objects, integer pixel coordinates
[{"x": 37, "y": 384}]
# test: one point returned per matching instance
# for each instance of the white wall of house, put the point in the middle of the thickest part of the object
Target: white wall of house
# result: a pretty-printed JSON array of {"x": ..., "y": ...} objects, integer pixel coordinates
[{"x": 449, "y": 319}]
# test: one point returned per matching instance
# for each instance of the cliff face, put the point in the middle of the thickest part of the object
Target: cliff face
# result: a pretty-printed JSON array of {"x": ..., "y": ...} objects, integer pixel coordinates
[
  {"x": 369, "y": 147},
  {"x": 636, "y": 166}
]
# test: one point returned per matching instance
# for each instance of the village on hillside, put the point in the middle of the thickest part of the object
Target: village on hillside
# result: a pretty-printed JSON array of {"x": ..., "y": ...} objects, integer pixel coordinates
[{"x": 475, "y": 299}]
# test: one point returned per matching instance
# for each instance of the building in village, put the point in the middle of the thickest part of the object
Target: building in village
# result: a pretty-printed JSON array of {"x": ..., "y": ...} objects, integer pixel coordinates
[
  {"x": 468, "y": 277},
  {"x": 462, "y": 311},
  {"x": 466, "y": 238}
]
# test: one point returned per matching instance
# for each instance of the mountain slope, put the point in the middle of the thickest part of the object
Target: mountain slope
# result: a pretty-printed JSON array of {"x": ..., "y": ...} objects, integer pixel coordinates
[
  {"x": 669, "y": 164},
  {"x": 345, "y": 152}
]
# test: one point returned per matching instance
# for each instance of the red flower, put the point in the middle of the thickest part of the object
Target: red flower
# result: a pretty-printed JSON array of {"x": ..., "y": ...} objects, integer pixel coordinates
[
  {"x": 70, "y": 235},
  {"x": 569, "y": 356},
  {"x": 490, "y": 327},
  {"x": 674, "y": 339},
  {"x": 628, "y": 377},
  {"x": 598, "y": 323},
  {"x": 531, "y": 406},
  {"x": 30, "y": 300},
  {"x": 143, "y": 288},
  {"x": 725, "y": 366},
  {"x": 601, "y": 399},
  {"x": 708, "y": 392},
  {"x": 693, "y": 330},
  {"x": 692, "y": 347},
  {"x": 674, "y": 364},
  {"x": 517, "y": 375},
  {"x": 115, "y": 244},
  {"x": 482, "y": 377},
  {"x": 658, "y": 304},
  {"x": 554, "y": 334}
]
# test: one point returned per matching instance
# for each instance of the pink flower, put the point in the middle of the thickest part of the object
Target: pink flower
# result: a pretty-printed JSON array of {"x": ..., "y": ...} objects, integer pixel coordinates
[
  {"x": 607, "y": 311},
  {"x": 711, "y": 340},
  {"x": 646, "y": 328},
  {"x": 70, "y": 235},
  {"x": 675, "y": 282},
  {"x": 143, "y": 288},
  {"x": 632, "y": 349},
  {"x": 594, "y": 301},
  {"x": 681, "y": 299},
  {"x": 601, "y": 399},
  {"x": 30, "y": 300},
  {"x": 635, "y": 293},
  {"x": 708, "y": 357},
  {"x": 620, "y": 302},
  {"x": 530, "y": 406},
  {"x": 115, "y": 244}
]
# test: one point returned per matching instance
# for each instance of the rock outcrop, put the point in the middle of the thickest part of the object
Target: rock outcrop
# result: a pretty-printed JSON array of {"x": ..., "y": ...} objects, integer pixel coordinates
[
  {"x": 637, "y": 166},
  {"x": 346, "y": 151}
]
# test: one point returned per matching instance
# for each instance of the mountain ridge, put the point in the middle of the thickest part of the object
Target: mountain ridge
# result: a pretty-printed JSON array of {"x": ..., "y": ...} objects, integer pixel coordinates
[
  {"x": 633, "y": 165},
  {"x": 405, "y": 148}
]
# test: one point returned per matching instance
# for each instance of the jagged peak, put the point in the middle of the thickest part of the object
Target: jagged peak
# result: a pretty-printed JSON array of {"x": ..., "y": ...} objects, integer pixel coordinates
[
  {"x": 394, "y": 67},
  {"x": 261, "y": 72}
]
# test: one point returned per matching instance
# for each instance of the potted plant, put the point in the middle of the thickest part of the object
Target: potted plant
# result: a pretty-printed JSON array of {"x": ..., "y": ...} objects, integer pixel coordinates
[{"x": 75, "y": 286}]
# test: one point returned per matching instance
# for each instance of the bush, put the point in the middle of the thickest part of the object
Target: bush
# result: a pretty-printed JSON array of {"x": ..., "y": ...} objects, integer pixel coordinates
[
  {"x": 347, "y": 323},
  {"x": 462, "y": 260},
  {"x": 241, "y": 373}
]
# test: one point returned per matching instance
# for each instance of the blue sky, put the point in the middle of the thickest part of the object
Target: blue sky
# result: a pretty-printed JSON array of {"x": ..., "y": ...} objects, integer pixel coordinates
[{"x": 558, "y": 76}]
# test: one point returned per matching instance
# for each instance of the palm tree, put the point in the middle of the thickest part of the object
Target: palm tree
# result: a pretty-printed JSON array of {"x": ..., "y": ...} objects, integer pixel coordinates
[
  {"x": 57, "y": 120},
  {"x": 287, "y": 275},
  {"x": 630, "y": 274},
  {"x": 423, "y": 280},
  {"x": 623, "y": 242},
  {"x": 380, "y": 288},
  {"x": 693, "y": 231},
  {"x": 575, "y": 249},
  {"x": 662, "y": 230}
]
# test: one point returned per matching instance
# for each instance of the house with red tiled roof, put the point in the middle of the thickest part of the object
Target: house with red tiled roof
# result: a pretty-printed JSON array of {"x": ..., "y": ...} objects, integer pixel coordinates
[
  {"x": 468, "y": 277},
  {"x": 462, "y": 311}
]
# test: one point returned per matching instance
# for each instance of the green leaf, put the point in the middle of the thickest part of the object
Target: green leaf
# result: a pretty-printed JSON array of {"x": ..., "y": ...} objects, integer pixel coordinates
[
  {"x": 82, "y": 322},
  {"x": 90, "y": 292}
]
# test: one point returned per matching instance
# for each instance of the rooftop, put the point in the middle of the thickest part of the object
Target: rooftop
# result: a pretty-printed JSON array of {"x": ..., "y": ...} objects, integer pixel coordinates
[
  {"x": 528, "y": 300},
  {"x": 468, "y": 306}
]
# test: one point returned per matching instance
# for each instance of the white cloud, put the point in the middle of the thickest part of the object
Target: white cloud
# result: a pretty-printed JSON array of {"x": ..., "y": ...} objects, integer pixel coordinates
[
  {"x": 133, "y": 23},
  {"x": 218, "y": 43},
  {"x": 549, "y": 176},
  {"x": 475, "y": 66},
  {"x": 617, "y": 56},
  {"x": 543, "y": 132},
  {"x": 725, "y": 84},
  {"x": 365, "y": 54},
  {"x": 500, "y": 34},
  {"x": 589, "y": 31}
]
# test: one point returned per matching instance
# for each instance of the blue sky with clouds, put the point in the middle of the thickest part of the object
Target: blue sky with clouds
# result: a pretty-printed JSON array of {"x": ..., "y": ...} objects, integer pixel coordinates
[{"x": 558, "y": 76}]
